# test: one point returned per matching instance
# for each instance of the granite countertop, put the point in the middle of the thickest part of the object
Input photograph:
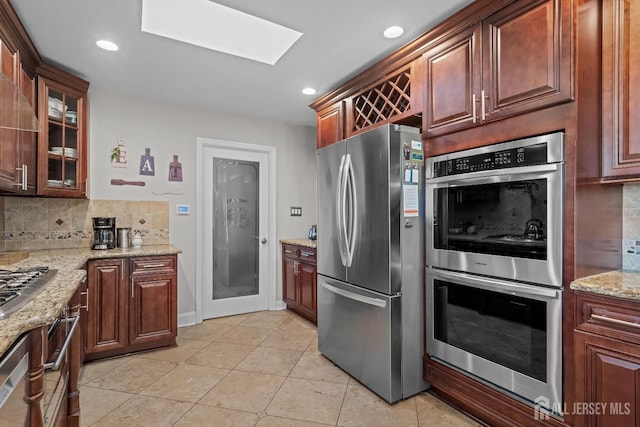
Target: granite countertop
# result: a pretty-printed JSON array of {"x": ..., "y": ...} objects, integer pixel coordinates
[
  {"x": 300, "y": 242},
  {"x": 618, "y": 283},
  {"x": 45, "y": 307}
]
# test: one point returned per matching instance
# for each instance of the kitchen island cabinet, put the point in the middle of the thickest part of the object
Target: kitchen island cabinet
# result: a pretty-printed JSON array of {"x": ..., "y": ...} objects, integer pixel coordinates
[
  {"x": 132, "y": 305},
  {"x": 299, "y": 279},
  {"x": 484, "y": 74}
]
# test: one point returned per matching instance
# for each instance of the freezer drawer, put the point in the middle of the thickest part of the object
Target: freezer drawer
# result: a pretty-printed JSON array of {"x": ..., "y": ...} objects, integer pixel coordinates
[{"x": 360, "y": 331}]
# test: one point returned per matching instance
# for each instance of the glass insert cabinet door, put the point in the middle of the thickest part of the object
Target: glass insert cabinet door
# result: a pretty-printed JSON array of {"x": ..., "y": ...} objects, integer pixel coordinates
[
  {"x": 235, "y": 228},
  {"x": 62, "y": 157}
]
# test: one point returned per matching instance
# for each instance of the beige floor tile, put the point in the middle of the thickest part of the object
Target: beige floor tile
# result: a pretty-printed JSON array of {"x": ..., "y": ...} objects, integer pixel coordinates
[
  {"x": 296, "y": 322},
  {"x": 230, "y": 320},
  {"x": 314, "y": 366},
  {"x": 91, "y": 371},
  {"x": 313, "y": 345},
  {"x": 274, "y": 361},
  {"x": 187, "y": 383},
  {"x": 145, "y": 411},
  {"x": 133, "y": 375},
  {"x": 244, "y": 391},
  {"x": 247, "y": 335},
  {"x": 270, "y": 421},
  {"x": 294, "y": 339},
  {"x": 203, "y": 415},
  {"x": 362, "y": 407},
  {"x": 178, "y": 354},
  {"x": 220, "y": 355},
  {"x": 95, "y": 403},
  {"x": 206, "y": 331},
  {"x": 308, "y": 400},
  {"x": 266, "y": 319},
  {"x": 434, "y": 412}
]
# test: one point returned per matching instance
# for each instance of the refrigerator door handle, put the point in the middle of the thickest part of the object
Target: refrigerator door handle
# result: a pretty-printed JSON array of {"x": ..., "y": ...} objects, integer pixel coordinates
[
  {"x": 353, "y": 211},
  {"x": 340, "y": 202},
  {"x": 361, "y": 298}
]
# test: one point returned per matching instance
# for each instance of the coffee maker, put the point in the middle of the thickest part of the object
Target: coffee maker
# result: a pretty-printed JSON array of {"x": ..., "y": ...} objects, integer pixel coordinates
[{"x": 104, "y": 233}]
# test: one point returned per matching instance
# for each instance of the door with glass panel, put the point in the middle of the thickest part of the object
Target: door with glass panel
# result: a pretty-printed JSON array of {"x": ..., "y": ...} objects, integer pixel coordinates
[{"x": 235, "y": 244}]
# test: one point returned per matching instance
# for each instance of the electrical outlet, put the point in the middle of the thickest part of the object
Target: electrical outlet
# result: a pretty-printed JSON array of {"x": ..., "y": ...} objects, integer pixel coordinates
[{"x": 296, "y": 211}]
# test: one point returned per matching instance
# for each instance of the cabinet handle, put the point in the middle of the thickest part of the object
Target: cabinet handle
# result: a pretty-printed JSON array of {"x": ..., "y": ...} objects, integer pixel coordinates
[
  {"x": 121, "y": 269},
  {"x": 473, "y": 107},
  {"x": 152, "y": 265},
  {"x": 614, "y": 320},
  {"x": 23, "y": 183},
  {"x": 307, "y": 254},
  {"x": 132, "y": 287},
  {"x": 86, "y": 306},
  {"x": 287, "y": 251},
  {"x": 482, "y": 105}
]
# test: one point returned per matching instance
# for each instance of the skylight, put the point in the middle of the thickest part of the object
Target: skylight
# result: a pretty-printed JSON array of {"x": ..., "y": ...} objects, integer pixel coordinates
[{"x": 213, "y": 26}]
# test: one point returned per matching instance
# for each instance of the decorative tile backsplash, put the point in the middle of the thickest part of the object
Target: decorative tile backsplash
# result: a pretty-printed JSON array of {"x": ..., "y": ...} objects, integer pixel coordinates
[
  {"x": 46, "y": 223},
  {"x": 631, "y": 227}
]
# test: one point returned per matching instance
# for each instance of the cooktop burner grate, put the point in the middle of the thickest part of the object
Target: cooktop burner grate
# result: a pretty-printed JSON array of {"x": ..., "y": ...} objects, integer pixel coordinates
[{"x": 17, "y": 287}]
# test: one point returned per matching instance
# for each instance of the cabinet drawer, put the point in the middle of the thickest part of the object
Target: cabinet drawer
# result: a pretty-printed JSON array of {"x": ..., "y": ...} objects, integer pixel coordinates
[
  {"x": 608, "y": 316},
  {"x": 153, "y": 265},
  {"x": 290, "y": 251},
  {"x": 308, "y": 255}
]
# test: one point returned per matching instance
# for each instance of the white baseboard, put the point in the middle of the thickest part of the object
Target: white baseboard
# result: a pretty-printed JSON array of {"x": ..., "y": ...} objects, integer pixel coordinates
[
  {"x": 187, "y": 319},
  {"x": 280, "y": 305}
]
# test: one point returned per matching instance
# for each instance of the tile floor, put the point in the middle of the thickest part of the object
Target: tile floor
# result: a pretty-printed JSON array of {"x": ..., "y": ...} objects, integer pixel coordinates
[{"x": 258, "y": 369}]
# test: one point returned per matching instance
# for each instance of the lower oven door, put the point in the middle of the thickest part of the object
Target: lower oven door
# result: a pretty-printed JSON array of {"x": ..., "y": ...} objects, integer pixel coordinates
[
  {"x": 505, "y": 334},
  {"x": 14, "y": 366}
]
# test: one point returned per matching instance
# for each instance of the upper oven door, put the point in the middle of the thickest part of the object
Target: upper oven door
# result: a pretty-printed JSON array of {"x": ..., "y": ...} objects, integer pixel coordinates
[{"x": 505, "y": 223}]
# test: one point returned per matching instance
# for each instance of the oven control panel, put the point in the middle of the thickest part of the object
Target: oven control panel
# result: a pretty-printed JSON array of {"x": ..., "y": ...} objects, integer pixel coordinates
[{"x": 502, "y": 159}]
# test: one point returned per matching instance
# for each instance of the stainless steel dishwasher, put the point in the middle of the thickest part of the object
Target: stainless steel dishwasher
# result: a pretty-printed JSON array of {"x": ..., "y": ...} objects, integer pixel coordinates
[{"x": 14, "y": 366}]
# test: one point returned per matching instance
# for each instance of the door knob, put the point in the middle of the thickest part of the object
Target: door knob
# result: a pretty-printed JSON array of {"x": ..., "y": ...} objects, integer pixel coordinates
[{"x": 264, "y": 240}]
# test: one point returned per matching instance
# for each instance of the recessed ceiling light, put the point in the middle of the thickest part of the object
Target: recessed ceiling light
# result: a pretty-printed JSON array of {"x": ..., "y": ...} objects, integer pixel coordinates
[
  {"x": 107, "y": 45},
  {"x": 213, "y": 26},
  {"x": 393, "y": 32},
  {"x": 309, "y": 91}
]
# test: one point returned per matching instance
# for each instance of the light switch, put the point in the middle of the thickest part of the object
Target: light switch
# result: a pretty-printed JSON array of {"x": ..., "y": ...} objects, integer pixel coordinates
[
  {"x": 296, "y": 211},
  {"x": 182, "y": 210}
]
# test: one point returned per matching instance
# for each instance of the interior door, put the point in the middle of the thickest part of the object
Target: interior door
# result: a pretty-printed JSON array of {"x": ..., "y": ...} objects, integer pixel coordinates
[{"x": 235, "y": 250}]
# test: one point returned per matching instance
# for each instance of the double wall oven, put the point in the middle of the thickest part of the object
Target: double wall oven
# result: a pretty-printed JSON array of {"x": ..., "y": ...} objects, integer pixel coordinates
[{"x": 494, "y": 265}]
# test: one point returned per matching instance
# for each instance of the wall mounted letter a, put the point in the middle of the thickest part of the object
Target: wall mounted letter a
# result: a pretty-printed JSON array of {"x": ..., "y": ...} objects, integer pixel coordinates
[{"x": 146, "y": 163}]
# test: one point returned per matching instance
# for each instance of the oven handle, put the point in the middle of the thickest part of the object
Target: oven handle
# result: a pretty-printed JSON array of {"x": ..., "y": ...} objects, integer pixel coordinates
[
  {"x": 361, "y": 298},
  {"x": 501, "y": 286},
  {"x": 54, "y": 366},
  {"x": 483, "y": 175}
]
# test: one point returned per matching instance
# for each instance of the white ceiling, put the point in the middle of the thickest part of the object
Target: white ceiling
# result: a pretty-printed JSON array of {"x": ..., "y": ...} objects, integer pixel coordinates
[{"x": 340, "y": 39}]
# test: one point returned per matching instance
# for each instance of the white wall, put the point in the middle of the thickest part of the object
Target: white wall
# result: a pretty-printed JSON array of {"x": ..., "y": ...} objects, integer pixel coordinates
[{"x": 172, "y": 129}]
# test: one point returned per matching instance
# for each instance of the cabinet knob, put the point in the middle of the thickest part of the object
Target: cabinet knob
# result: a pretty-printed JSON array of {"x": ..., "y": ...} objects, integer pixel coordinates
[{"x": 263, "y": 240}]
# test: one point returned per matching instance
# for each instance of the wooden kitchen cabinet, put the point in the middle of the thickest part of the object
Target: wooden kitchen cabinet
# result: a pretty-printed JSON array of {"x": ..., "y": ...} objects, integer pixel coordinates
[
  {"x": 620, "y": 84},
  {"x": 514, "y": 61},
  {"x": 62, "y": 141},
  {"x": 299, "y": 280},
  {"x": 17, "y": 103},
  {"x": 607, "y": 360},
  {"x": 132, "y": 305},
  {"x": 107, "y": 305},
  {"x": 330, "y": 125}
]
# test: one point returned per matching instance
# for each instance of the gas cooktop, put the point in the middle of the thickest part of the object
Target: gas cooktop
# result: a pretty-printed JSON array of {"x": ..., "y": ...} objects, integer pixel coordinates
[{"x": 17, "y": 287}]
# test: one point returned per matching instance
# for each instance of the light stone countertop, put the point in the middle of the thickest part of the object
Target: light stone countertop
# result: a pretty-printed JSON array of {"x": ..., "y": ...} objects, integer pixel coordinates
[
  {"x": 618, "y": 283},
  {"x": 300, "y": 242},
  {"x": 45, "y": 307}
]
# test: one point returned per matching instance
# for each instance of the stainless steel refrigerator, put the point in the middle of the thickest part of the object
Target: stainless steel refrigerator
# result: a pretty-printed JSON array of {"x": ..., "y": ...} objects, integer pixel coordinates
[{"x": 370, "y": 259}]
